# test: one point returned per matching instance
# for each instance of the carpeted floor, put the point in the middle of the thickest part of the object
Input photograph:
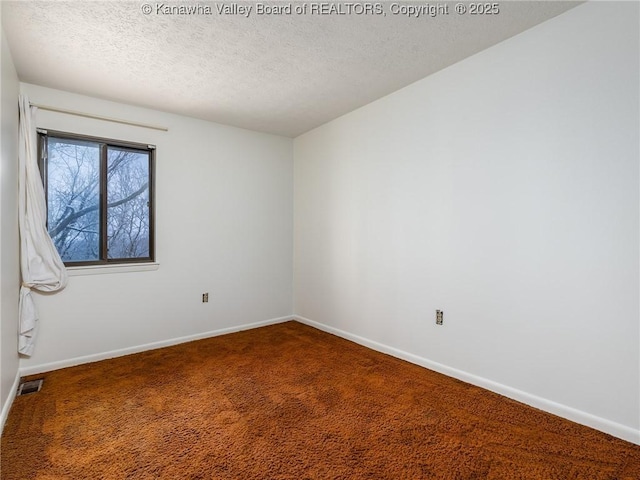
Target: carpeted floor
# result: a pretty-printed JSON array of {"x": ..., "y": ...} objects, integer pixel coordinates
[{"x": 289, "y": 402}]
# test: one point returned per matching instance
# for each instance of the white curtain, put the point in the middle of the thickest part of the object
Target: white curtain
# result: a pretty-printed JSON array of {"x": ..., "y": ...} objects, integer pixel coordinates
[{"x": 40, "y": 264}]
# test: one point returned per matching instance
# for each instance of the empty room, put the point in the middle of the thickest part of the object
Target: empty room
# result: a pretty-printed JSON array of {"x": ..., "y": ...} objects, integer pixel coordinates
[{"x": 320, "y": 240}]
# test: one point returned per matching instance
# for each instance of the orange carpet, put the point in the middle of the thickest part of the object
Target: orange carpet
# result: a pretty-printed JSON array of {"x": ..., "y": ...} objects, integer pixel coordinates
[{"x": 289, "y": 402}]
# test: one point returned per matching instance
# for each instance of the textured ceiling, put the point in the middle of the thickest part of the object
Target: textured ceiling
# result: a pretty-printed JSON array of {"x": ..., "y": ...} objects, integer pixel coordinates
[{"x": 283, "y": 74}]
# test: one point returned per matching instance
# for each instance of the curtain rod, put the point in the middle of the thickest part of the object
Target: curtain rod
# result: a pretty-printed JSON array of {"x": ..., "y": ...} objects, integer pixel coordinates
[{"x": 99, "y": 117}]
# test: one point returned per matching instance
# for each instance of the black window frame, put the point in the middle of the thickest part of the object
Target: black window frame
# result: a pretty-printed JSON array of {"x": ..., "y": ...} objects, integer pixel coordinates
[{"x": 104, "y": 144}]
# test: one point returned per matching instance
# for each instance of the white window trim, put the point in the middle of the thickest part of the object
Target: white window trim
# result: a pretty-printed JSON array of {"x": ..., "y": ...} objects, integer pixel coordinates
[{"x": 115, "y": 268}]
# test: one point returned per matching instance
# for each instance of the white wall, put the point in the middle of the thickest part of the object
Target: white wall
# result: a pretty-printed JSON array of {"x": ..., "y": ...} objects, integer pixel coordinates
[
  {"x": 504, "y": 191},
  {"x": 223, "y": 226},
  {"x": 9, "y": 268}
]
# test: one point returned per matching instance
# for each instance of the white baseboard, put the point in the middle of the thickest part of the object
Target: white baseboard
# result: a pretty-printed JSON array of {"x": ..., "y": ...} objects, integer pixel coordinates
[
  {"x": 612, "y": 428},
  {"x": 7, "y": 404},
  {"x": 71, "y": 362}
]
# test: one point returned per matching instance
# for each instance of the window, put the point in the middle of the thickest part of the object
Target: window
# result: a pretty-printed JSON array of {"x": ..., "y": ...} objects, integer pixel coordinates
[{"x": 99, "y": 198}]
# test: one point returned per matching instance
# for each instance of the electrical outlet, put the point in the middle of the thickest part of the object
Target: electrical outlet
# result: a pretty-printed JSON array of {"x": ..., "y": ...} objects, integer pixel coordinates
[
  {"x": 205, "y": 297},
  {"x": 439, "y": 317}
]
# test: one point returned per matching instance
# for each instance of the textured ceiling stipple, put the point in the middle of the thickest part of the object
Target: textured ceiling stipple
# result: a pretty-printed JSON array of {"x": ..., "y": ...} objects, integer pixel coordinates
[{"x": 282, "y": 74}]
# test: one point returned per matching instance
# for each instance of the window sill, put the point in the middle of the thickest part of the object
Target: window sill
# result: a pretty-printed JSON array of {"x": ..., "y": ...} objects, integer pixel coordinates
[{"x": 105, "y": 269}]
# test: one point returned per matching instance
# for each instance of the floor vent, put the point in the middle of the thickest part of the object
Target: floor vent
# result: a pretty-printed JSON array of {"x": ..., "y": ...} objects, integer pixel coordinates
[{"x": 32, "y": 386}]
